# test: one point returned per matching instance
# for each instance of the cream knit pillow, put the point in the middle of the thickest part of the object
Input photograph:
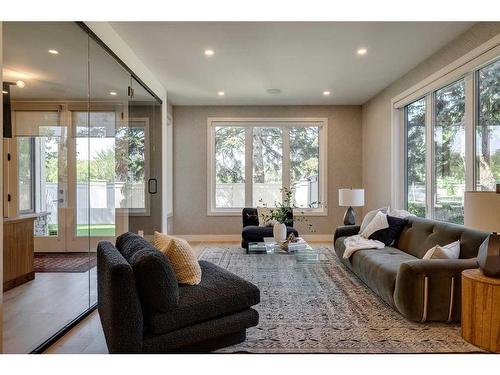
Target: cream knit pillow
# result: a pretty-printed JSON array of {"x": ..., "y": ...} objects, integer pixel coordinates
[{"x": 181, "y": 257}]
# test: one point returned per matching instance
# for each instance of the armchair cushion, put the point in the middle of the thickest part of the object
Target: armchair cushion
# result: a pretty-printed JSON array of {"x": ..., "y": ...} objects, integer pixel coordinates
[
  {"x": 219, "y": 293},
  {"x": 155, "y": 278}
]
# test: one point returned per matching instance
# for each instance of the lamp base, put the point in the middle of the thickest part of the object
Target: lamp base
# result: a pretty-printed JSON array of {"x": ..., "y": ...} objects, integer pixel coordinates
[{"x": 350, "y": 217}]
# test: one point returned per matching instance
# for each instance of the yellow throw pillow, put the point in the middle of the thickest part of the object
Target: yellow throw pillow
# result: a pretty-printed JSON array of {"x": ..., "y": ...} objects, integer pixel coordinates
[{"x": 181, "y": 257}]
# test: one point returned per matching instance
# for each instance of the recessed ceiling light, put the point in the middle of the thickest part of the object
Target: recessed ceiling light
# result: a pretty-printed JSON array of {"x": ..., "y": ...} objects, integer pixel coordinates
[
  {"x": 53, "y": 51},
  {"x": 362, "y": 51},
  {"x": 112, "y": 93},
  {"x": 221, "y": 93},
  {"x": 209, "y": 52},
  {"x": 326, "y": 93},
  {"x": 273, "y": 91},
  {"x": 20, "y": 84}
]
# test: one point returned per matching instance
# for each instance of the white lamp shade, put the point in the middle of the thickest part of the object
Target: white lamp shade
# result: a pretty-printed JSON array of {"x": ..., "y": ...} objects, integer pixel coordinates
[{"x": 351, "y": 197}]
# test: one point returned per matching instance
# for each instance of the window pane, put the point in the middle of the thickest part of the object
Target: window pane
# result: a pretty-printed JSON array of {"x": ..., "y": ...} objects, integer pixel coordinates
[
  {"x": 130, "y": 185},
  {"x": 25, "y": 173},
  {"x": 229, "y": 167},
  {"x": 267, "y": 166},
  {"x": 488, "y": 128},
  {"x": 415, "y": 157},
  {"x": 449, "y": 151},
  {"x": 304, "y": 163}
]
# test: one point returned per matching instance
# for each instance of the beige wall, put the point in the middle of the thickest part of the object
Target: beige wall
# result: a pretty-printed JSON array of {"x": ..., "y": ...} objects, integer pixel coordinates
[
  {"x": 190, "y": 162},
  {"x": 377, "y": 113}
]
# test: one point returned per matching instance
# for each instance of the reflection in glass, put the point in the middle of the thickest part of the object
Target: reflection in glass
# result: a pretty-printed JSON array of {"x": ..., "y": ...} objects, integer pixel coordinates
[
  {"x": 25, "y": 169},
  {"x": 488, "y": 128},
  {"x": 449, "y": 153},
  {"x": 304, "y": 162},
  {"x": 229, "y": 167},
  {"x": 415, "y": 157},
  {"x": 267, "y": 159}
]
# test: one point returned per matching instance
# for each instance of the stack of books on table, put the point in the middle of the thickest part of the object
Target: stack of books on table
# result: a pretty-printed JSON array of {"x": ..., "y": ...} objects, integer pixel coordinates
[{"x": 297, "y": 246}]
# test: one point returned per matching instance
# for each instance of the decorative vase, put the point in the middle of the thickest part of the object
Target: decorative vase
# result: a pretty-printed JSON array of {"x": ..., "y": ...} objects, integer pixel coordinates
[
  {"x": 488, "y": 257},
  {"x": 279, "y": 232}
]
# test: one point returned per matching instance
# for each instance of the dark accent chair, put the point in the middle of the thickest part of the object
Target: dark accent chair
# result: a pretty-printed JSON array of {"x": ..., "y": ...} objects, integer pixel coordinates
[
  {"x": 252, "y": 232},
  {"x": 421, "y": 290},
  {"x": 143, "y": 311}
]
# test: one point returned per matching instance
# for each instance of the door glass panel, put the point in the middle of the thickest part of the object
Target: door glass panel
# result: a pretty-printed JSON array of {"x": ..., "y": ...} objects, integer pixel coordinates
[
  {"x": 449, "y": 153},
  {"x": 488, "y": 128},
  {"x": 53, "y": 289},
  {"x": 267, "y": 166},
  {"x": 415, "y": 157},
  {"x": 26, "y": 169}
]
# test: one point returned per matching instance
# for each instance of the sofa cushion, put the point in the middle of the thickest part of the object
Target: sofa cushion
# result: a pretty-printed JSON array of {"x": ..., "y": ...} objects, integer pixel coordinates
[
  {"x": 255, "y": 233},
  {"x": 378, "y": 268},
  {"x": 420, "y": 235},
  {"x": 219, "y": 293},
  {"x": 155, "y": 278}
]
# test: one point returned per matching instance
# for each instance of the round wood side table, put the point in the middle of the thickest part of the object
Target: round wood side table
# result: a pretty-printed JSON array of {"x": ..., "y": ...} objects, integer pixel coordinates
[{"x": 481, "y": 310}]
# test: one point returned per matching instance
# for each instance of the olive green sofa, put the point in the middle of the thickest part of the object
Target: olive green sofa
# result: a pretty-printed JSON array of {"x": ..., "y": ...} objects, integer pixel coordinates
[{"x": 421, "y": 290}]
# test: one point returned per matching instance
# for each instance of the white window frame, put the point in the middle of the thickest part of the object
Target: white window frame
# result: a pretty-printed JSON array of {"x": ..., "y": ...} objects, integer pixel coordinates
[
  {"x": 463, "y": 68},
  {"x": 249, "y": 124}
]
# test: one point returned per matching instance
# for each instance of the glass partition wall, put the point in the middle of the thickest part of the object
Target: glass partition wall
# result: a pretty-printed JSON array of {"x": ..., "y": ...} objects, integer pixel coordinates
[{"x": 82, "y": 166}]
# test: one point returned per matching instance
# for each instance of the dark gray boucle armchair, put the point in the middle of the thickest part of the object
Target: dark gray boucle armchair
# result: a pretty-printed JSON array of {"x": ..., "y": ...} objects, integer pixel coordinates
[
  {"x": 421, "y": 290},
  {"x": 252, "y": 232},
  {"x": 144, "y": 310}
]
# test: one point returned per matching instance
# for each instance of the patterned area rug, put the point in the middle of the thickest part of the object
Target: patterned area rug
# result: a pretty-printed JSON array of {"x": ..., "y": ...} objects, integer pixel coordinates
[
  {"x": 324, "y": 308},
  {"x": 65, "y": 262}
]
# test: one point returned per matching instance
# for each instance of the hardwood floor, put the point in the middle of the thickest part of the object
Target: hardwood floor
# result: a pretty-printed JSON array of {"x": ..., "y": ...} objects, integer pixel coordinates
[
  {"x": 34, "y": 311},
  {"x": 88, "y": 338}
]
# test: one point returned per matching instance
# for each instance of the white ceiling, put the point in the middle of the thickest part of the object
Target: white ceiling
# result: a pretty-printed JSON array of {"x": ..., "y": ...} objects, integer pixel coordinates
[{"x": 302, "y": 59}]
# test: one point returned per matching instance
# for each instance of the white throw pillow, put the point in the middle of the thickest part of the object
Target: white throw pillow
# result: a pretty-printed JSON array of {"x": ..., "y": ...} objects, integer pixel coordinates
[
  {"x": 379, "y": 222},
  {"x": 450, "y": 251},
  {"x": 369, "y": 217},
  {"x": 262, "y": 213},
  {"x": 402, "y": 214}
]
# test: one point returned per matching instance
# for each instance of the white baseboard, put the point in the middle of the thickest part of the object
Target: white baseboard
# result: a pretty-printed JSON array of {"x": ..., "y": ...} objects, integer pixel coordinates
[{"x": 237, "y": 237}]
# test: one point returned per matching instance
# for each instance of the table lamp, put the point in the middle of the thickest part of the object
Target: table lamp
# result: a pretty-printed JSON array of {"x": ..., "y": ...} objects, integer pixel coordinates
[{"x": 351, "y": 198}]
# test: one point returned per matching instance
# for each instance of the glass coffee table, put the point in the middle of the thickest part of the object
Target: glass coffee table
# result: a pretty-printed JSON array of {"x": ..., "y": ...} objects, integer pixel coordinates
[{"x": 305, "y": 254}]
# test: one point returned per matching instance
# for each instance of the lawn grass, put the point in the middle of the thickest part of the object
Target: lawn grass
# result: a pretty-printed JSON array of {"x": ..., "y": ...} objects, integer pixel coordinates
[{"x": 82, "y": 230}]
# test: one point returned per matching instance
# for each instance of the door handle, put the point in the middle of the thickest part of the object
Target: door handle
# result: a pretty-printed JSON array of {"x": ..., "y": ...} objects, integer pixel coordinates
[{"x": 152, "y": 186}]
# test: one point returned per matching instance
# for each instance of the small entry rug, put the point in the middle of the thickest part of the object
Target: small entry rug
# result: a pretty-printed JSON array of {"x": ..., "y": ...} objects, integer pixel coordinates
[
  {"x": 325, "y": 308},
  {"x": 64, "y": 262}
]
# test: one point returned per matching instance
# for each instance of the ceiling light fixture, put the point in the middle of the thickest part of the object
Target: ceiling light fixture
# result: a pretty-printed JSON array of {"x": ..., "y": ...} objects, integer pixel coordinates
[
  {"x": 20, "y": 84},
  {"x": 362, "y": 51},
  {"x": 209, "y": 52},
  {"x": 326, "y": 93},
  {"x": 112, "y": 93},
  {"x": 221, "y": 93},
  {"x": 53, "y": 51}
]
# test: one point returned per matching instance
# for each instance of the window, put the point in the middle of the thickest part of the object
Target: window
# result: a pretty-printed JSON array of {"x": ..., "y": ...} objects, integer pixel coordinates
[
  {"x": 449, "y": 153},
  {"x": 229, "y": 167},
  {"x": 452, "y": 140},
  {"x": 26, "y": 174},
  {"x": 267, "y": 162},
  {"x": 251, "y": 160},
  {"x": 415, "y": 157},
  {"x": 488, "y": 127}
]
